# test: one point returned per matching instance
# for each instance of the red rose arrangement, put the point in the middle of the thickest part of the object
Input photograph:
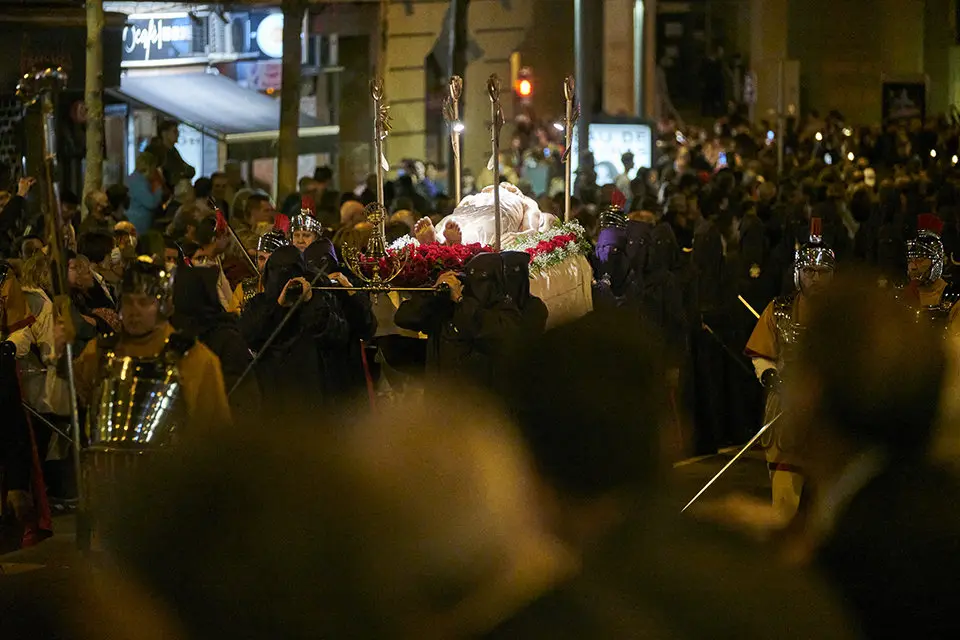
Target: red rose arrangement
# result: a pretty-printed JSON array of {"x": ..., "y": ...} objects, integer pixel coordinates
[
  {"x": 553, "y": 246},
  {"x": 428, "y": 261},
  {"x": 545, "y": 247}
]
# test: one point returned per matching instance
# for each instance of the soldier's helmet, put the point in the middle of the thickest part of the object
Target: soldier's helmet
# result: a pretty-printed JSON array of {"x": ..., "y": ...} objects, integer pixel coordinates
[
  {"x": 146, "y": 277},
  {"x": 928, "y": 245},
  {"x": 813, "y": 254}
]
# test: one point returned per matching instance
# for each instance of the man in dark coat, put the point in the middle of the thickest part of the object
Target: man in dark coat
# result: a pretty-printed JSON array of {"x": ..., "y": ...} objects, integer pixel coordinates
[
  {"x": 881, "y": 520},
  {"x": 346, "y": 368},
  {"x": 645, "y": 572},
  {"x": 198, "y": 313}
]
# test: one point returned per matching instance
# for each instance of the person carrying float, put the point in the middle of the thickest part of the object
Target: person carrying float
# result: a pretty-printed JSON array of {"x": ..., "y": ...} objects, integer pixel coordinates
[{"x": 772, "y": 347}]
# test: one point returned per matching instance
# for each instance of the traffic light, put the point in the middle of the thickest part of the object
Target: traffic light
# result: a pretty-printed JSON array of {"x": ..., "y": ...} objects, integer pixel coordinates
[{"x": 523, "y": 86}]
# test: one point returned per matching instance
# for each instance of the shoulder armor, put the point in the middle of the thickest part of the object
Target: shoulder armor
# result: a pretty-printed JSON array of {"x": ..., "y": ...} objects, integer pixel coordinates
[
  {"x": 178, "y": 344},
  {"x": 108, "y": 341},
  {"x": 249, "y": 288},
  {"x": 784, "y": 304}
]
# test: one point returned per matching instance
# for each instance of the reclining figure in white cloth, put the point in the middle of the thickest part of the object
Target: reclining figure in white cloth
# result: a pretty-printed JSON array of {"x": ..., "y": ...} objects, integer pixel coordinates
[{"x": 477, "y": 218}]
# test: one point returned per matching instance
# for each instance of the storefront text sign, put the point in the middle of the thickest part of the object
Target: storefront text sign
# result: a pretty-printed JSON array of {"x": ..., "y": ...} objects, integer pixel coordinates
[{"x": 157, "y": 38}]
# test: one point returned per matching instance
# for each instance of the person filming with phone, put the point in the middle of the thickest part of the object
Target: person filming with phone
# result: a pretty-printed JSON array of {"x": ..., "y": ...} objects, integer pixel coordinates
[{"x": 298, "y": 361}]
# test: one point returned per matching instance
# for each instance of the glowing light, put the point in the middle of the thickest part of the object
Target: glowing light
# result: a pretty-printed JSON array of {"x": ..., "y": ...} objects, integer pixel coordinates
[
  {"x": 558, "y": 126},
  {"x": 819, "y": 136},
  {"x": 847, "y": 131},
  {"x": 525, "y": 88},
  {"x": 933, "y": 153},
  {"x": 458, "y": 127},
  {"x": 850, "y": 156},
  {"x": 954, "y": 159}
]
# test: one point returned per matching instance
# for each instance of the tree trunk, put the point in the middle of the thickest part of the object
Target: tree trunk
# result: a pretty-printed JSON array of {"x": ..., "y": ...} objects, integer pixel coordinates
[
  {"x": 93, "y": 97},
  {"x": 289, "y": 99}
]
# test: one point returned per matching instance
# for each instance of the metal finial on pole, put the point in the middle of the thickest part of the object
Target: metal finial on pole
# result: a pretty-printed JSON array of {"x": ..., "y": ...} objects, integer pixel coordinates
[
  {"x": 381, "y": 128},
  {"x": 451, "y": 113},
  {"x": 494, "y": 88},
  {"x": 572, "y": 115}
]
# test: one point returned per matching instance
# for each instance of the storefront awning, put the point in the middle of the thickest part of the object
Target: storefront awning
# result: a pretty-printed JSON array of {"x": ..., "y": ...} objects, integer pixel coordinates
[{"x": 247, "y": 121}]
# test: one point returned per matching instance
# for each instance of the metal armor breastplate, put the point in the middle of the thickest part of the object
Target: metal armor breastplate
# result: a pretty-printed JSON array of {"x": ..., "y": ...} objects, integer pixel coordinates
[
  {"x": 939, "y": 314},
  {"x": 138, "y": 405},
  {"x": 788, "y": 330},
  {"x": 250, "y": 287}
]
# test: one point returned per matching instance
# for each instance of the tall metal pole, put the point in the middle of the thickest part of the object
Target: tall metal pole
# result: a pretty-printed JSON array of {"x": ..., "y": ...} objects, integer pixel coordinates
[
  {"x": 494, "y": 89},
  {"x": 580, "y": 66},
  {"x": 572, "y": 115},
  {"x": 451, "y": 113},
  {"x": 381, "y": 127}
]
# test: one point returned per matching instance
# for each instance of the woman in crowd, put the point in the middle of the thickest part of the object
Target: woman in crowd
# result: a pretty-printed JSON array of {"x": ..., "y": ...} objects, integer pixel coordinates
[
  {"x": 146, "y": 193},
  {"x": 44, "y": 392}
]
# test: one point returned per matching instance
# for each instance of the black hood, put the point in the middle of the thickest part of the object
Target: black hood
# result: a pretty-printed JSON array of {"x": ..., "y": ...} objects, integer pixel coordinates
[
  {"x": 321, "y": 257},
  {"x": 484, "y": 279},
  {"x": 196, "y": 305},
  {"x": 283, "y": 265},
  {"x": 516, "y": 268}
]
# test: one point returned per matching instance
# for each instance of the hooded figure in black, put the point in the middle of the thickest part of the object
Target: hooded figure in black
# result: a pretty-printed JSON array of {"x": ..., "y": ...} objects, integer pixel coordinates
[
  {"x": 468, "y": 326},
  {"x": 345, "y": 364},
  {"x": 653, "y": 255},
  {"x": 295, "y": 365},
  {"x": 198, "y": 313},
  {"x": 533, "y": 312},
  {"x": 614, "y": 287}
]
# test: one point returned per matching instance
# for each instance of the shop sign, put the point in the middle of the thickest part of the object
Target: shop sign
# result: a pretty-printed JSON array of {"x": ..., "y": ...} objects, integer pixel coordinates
[{"x": 158, "y": 37}]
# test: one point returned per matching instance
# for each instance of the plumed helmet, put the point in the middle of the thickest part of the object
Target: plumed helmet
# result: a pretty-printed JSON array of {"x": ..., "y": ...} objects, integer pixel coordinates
[
  {"x": 612, "y": 218},
  {"x": 271, "y": 241},
  {"x": 144, "y": 277},
  {"x": 814, "y": 253},
  {"x": 306, "y": 220},
  {"x": 927, "y": 244}
]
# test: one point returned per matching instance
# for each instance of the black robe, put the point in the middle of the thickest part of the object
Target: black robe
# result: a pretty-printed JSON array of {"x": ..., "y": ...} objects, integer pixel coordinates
[
  {"x": 295, "y": 367},
  {"x": 198, "y": 313},
  {"x": 466, "y": 339}
]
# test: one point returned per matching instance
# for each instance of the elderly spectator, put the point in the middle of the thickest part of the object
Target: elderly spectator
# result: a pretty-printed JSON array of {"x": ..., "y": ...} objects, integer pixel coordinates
[{"x": 98, "y": 213}]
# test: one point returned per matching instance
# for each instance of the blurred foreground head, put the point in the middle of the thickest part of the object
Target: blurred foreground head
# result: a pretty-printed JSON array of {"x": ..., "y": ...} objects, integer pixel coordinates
[
  {"x": 415, "y": 522},
  {"x": 869, "y": 373},
  {"x": 589, "y": 398}
]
